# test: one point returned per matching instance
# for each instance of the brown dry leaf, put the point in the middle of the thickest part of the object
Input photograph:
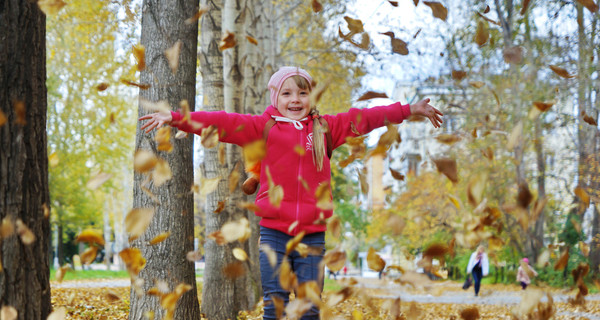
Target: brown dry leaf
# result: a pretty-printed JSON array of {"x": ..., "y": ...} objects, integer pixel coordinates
[
  {"x": 20, "y": 112},
  {"x": 58, "y": 314},
  {"x": 438, "y": 9},
  {"x": 458, "y": 74},
  {"x": 160, "y": 238},
  {"x": 582, "y": 195},
  {"x": 139, "y": 52},
  {"x": 227, "y": 41},
  {"x": 448, "y": 139},
  {"x": 271, "y": 254},
  {"x": 27, "y": 237},
  {"x": 210, "y": 137},
  {"x": 476, "y": 188},
  {"x": 51, "y": 7},
  {"x": 447, "y": 166},
  {"x": 399, "y": 46},
  {"x": 317, "y": 92},
  {"x": 524, "y": 197},
  {"x": 543, "y": 259},
  {"x": 279, "y": 305},
  {"x": 362, "y": 177},
  {"x": 524, "y": 6},
  {"x": 234, "y": 178},
  {"x": 393, "y": 3},
  {"x": 562, "y": 261},
  {"x": 477, "y": 84},
  {"x": 323, "y": 196},
  {"x": 335, "y": 259},
  {"x": 287, "y": 277},
  {"x": 436, "y": 250},
  {"x": 90, "y": 236},
  {"x": 133, "y": 260},
  {"x": 252, "y": 40},
  {"x": 6, "y": 228},
  {"x": 292, "y": 243},
  {"x": 248, "y": 206},
  {"x": 515, "y": 136},
  {"x": 143, "y": 86},
  {"x": 589, "y": 4},
  {"x": 355, "y": 25},
  {"x": 3, "y": 119},
  {"x": 217, "y": 236},
  {"x": 310, "y": 290},
  {"x": 209, "y": 186},
  {"x": 488, "y": 19},
  {"x": 102, "y": 86},
  {"x": 589, "y": 119},
  {"x": 60, "y": 273},
  {"x": 111, "y": 297},
  {"x": 334, "y": 226},
  {"x": 275, "y": 192},
  {"x": 98, "y": 180},
  {"x": 488, "y": 153},
  {"x": 339, "y": 296},
  {"x": 89, "y": 255},
  {"x": 144, "y": 161},
  {"x": 172, "y": 55},
  {"x": 543, "y": 106},
  {"x": 296, "y": 308},
  {"x": 584, "y": 248},
  {"x": 236, "y": 230},
  {"x": 374, "y": 260},
  {"x": 305, "y": 250},
  {"x": 483, "y": 34},
  {"x": 513, "y": 55},
  {"x": 203, "y": 9},
  {"x": 397, "y": 175},
  {"x": 561, "y": 72},
  {"x": 538, "y": 206},
  {"x": 240, "y": 254},
  {"x": 371, "y": 95},
  {"x": 316, "y": 6},
  {"x": 137, "y": 221},
  {"x": 529, "y": 302},
  {"x": 194, "y": 256},
  {"x": 495, "y": 243},
  {"x": 8, "y": 313},
  {"x": 470, "y": 313},
  {"x": 162, "y": 173}
]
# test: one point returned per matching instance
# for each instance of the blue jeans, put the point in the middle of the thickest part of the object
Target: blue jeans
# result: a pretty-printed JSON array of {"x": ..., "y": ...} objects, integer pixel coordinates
[
  {"x": 477, "y": 275},
  {"x": 306, "y": 269}
]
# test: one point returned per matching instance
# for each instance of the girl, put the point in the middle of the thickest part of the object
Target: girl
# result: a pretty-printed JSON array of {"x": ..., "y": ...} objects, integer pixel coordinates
[
  {"x": 295, "y": 158},
  {"x": 524, "y": 273},
  {"x": 479, "y": 267}
]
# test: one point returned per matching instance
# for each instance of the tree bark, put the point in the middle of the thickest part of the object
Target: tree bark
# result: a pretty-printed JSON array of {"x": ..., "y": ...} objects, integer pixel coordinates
[
  {"x": 24, "y": 195},
  {"x": 162, "y": 26}
]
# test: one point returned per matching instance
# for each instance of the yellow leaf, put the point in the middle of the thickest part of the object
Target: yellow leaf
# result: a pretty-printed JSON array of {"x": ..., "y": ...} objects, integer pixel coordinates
[
  {"x": 60, "y": 273},
  {"x": 397, "y": 175},
  {"x": 163, "y": 138},
  {"x": 208, "y": 186},
  {"x": 203, "y": 9},
  {"x": 89, "y": 255},
  {"x": 144, "y": 161},
  {"x": 562, "y": 261},
  {"x": 111, "y": 297},
  {"x": 355, "y": 25},
  {"x": 374, "y": 260},
  {"x": 513, "y": 55},
  {"x": 335, "y": 259},
  {"x": 91, "y": 236},
  {"x": 583, "y": 196},
  {"x": 6, "y": 228},
  {"x": 159, "y": 106},
  {"x": 515, "y": 136},
  {"x": 137, "y": 221},
  {"x": 292, "y": 243},
  {"x": 209, "y": 137},
  {"x": 27, "y": 237},
  {"x": 162, "y": 173},
  {"x": 271, "y": 254},
  {"x": 8, "y": 313},
  {"x": 234, "y": 270},
  {"x": 482, "y": 34},
  {"x": 51, "y": 7},
  {"x": 139, "y": 52},
  {"x": 160, "y": 238},
  {"x": 454, "y": 201},
  {"x": 477, "y": 84},
  {"x": 172, "y": 55},
  {"x": 133, "y": 260},
  {"x": 334, "y": 225},
  {"x": 287, "y": 277},
  {"x": 436, "y": 250},
  {"x": 561, "y": 72},
  {"x": 476, "y": 188},
  {"x": 3, "y": 120},
  {"x": 252, "y": 40},
  {"x": 275, "y": 192},
  {"x": 323, "y": 196},
  {"x": 98, "y": 180},
  {"x": 236, "y": 230},
  {"x": 240, "y": 254}
]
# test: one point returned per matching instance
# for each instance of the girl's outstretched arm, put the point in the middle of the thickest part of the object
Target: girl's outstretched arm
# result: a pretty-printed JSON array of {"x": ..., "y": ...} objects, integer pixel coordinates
[
  {"x": 157, "y": 120},
  {"x": 423, "y": 108}
]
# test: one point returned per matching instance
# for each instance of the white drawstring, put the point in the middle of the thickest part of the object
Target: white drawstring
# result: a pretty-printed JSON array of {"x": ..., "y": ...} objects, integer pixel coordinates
[{"x": 296, "y": 123}]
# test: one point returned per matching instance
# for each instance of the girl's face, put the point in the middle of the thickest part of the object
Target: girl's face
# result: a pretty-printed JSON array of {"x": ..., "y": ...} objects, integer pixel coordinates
[{"x": 293, "y": 102}]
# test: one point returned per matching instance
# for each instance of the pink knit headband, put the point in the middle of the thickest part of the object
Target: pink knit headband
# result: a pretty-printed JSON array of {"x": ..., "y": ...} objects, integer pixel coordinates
[{"x": 280, "y": 76}]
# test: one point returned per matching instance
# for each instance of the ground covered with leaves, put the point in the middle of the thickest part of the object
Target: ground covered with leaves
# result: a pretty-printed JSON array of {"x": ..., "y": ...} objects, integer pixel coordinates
[{"x": 86, "y": 302}]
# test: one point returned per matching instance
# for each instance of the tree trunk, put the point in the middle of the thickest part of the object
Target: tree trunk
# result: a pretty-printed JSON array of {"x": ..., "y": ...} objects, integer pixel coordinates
[
  {"x": 537, "y": 239},
  {"x": 162, "y": 26},
  {"x": 595, "y": 244},
  {"x": 24, "y": 280}
]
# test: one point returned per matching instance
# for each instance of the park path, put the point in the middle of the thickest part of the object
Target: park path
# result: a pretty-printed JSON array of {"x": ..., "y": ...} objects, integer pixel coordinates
[{"x": 444, "y": 293}]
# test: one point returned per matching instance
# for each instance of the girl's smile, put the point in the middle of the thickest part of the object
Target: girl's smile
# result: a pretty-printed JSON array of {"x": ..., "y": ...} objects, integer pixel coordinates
[{"x": 293, "y": 102}]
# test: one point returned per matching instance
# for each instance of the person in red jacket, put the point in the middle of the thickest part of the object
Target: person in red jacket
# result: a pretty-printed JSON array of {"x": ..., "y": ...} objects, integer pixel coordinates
[{"x": 296, "y": 160}]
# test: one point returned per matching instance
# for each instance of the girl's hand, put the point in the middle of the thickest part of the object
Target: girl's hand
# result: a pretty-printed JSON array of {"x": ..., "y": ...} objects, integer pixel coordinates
[
  {"x": 423, "y": 108},
  {"x": 157, "y": 120}
]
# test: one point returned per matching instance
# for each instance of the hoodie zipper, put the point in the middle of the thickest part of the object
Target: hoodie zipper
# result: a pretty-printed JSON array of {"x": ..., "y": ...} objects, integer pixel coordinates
[{"x": 299, "y": 174}]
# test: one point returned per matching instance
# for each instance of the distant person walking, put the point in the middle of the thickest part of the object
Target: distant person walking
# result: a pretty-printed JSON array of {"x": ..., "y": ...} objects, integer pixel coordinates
[
  {"x": 479, "y": 267},
  {"x": 524, "y": 273}
]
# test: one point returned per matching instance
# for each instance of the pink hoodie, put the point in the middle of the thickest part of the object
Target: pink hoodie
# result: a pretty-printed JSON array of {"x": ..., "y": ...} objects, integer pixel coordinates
[{"x": 285, "y": 164}]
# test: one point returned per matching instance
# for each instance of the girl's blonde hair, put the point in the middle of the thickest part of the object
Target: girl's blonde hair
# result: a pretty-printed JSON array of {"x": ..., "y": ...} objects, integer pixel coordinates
[{"x": 318, "y": 129}]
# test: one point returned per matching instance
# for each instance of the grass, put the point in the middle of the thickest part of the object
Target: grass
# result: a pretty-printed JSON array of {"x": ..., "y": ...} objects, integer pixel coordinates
[{"x": 90, "y": 275}]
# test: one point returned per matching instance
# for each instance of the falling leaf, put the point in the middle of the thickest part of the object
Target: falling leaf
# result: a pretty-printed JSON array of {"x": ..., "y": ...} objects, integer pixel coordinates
[
  {"x": 582, "y": 195},
  {"x": 163, "y": 138},
  {"x": 292, "y": 243},
  {"x": 293, "y": 226},
  {"x": 91, "y": 236},
  {"x": 111, "y": 297},
  {"x": 21, "y": 112},
  {"x": 209, "y": 186},
  {"x": 436, "y": 250},
  {"x": 584, "y": 248},
  {"x": 513, "y": 55},
  {"x": 413, "y": 313},
  {"x": 275, "y": 192},
  {"x": 458, "y": 75},
  {"x": 287, "y": 277},
  {"x": 588, "y": 119},
  {"x": 524, "y": 197},
  {"x": 98, "y": 180},
  {"x": 194, "y": 256},
  {"x": 562, "y": 261},
  {"x": 248, "y": 206},
  {"x": 279, "y": 305},
  {"x": 515, "y": 136},
  {"x": 475, "y": 189},
  {"x": 470, "y": 313},
  {"x": 477, "y": 84},
  {"x": 160, "y": 238},
  {"x": 89, "y": 255},
  {"x": 371, "y": 95},
  {"x": 271, "y": 254},
  {"x": 102, "y": 86},
  {"x": 210, "y": 137},
  {"x": 589, "y": 4},
  {"x": 238, "y": 230},
  {"x": 538, "y": 206},
  {"x": 240, "y": 254},
  {"x": 397, "y": 175},
  {"x": 561, "y": 72},
  {"x": 334, "y": 225},
  {"x": 448, "y": 139},
  {"x": 60, "y": 273},
  {"x": 335, "y": 259},
  {"x": 438, "y": 9},
  {"x": 162, "y": 173},
  {"x": 6, "y": 228},
  {"x": 374, "y": 260},
  {"x": 139, "y": 52},
  {"x": 323, "y": 196},
  {"x": 137, "y": 221},
  {"x": 8, "y": 313},
  {"x": 310, "y": 290},
  {"x": 355, "y": 25},
  {"x": 316, "y": 6},
  {"x": 482, "y": 34},
  {"x": 3, "y": 118},
  {"x": 203, "y": 9},
  {"x": 399, "y": 46},
  {"x": 296, "y": 308},
  {"x": 234, "y": 178},
  {"x": 339, "y": 296},
  {"x": 227, "y": 41},
  {"x": 524, "y": 6},
  {"x": 58, "y": 314},
  {"x": 543, "y": 259},
  {"x": 393, "y": 3},
  {"x": 51, "y": 7},
  {"x": 159, "y": 106},
  {"x": 487, "y": 8},
  {"x": 362, "y": 177},
  {"x": 143, "y": 86},
  {"x": 454, "y": 201},
  {"x": 133, "y": 260},
  {"x": 27, "y": 237},
  {"x": 172, "y": 55},
  {"x": 447, "y": 166},
  {"x": 542, "y": 106}
]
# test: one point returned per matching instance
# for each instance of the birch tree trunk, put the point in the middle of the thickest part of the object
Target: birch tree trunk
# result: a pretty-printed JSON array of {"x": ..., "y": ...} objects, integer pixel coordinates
[
  {"x": 24, "y": 195},
  {"x": 162, "y": 26}
]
